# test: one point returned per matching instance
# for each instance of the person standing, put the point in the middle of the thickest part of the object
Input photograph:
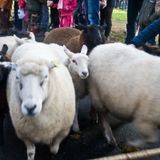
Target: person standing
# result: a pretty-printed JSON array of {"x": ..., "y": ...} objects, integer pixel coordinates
[
  {"x": 134, "y": 7},
  {"x": 106, "y": 16},
  {"x": 54, "y": 13},
  {"x": 5, "y": 9},
  {"x": 92, "y": 9}
]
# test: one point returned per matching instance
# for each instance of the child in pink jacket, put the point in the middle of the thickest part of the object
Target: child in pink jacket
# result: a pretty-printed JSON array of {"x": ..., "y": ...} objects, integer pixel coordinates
[{"x": 66, "y": 8}]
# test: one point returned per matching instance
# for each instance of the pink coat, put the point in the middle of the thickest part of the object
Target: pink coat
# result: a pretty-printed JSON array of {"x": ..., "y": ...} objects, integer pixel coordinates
[{"x": 66, "y": 8}]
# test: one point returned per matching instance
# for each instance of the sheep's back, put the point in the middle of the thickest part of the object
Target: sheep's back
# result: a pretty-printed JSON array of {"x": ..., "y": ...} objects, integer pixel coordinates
[
  {"x": 124, "y": 78},
  {"x": 61, "y": 36},
  {"x": 58, "y": 109}
]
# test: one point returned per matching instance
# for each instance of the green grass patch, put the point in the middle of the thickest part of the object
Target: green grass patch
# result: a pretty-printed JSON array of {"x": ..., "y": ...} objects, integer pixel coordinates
[{"x": 119, "y": 15}]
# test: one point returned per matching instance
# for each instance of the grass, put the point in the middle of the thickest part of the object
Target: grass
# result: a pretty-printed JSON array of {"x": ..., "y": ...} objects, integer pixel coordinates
[
  {"x": 119, "y": 20},
  {"x": 119, "y": 15}
]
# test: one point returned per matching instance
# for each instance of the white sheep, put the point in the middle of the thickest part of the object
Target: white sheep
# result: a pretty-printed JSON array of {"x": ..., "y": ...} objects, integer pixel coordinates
[
  {"x": 125, "y": 82},
  {"x": 78, "y": 68},
  {"x": 13, "y": 41},
  {"x": 41, "y": 98},
  {"x": 77, "y": 64}
]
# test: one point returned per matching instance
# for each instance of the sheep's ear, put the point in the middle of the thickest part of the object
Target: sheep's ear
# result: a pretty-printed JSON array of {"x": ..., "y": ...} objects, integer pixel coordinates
[
  {"x": 84, "y": 49},
  {"x": 18, "y": 40},
  {"x": 4, "y": 49},
  {"x": 68, "y": 52},
  {"x": 32, "y": 36}
]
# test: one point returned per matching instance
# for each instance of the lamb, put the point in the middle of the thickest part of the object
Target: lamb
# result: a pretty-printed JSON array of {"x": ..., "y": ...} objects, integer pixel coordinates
[
  {"x": 39, "y": 112},
  {"x": 91, "y": 36},
  {"x": 77, "y": 64},
  {"x": 124, "y": 81},
  {"x": 13, "y": 41}
]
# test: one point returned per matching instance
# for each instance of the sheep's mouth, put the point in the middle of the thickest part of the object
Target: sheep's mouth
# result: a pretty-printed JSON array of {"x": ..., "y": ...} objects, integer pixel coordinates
[{"x": 83, "y": 77}]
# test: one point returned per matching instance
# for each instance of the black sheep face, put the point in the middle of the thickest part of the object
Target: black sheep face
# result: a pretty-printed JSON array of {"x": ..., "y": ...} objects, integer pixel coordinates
[{"x": 94, "y": 35}]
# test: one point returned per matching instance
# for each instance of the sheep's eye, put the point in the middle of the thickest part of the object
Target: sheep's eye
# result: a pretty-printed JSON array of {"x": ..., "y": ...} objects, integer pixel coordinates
[
  {"x": 41, "y": 84},
  {"x": 20, "y": 86},
  {"x": 74, "y": 61}
]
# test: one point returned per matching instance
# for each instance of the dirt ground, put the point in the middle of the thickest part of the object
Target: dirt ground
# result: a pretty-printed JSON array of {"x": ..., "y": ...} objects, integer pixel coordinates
[{"x": 89, "y": 144}]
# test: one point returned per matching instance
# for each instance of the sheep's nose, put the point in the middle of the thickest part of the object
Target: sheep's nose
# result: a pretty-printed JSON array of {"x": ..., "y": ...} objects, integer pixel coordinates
[
  {"x": 84, "y": 73},
  {"x": 30, "y": 109}
]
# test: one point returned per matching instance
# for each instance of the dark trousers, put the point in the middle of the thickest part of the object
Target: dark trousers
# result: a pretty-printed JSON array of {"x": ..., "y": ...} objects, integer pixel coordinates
[
  {"x": 134, "y": 7},
  {"x": 4, "y": 20},
  {"x": 106, "y": 16},
  {"x": 17, "y": 21},
  {"x": 54, "y": 15}
]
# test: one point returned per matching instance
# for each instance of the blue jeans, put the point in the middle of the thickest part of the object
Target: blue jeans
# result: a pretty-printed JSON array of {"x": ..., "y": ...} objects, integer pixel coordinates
[
  {"x": 44, "y": 17},
  {"x": 17, "y": 21},
  {"x": 148, "y": 33},
  {"x": 134, "y": 7},
  {"x": 92, "y": 8}
]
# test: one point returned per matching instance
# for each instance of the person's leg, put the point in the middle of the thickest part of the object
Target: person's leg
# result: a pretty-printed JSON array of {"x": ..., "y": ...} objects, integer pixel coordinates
[
  {"x": 102, "y": 16},
  {"x": 5, "y": 15},
  {"x": 108, "y": 15},
  {"x": 92, "y": 9},
  {"x": 132, "y": 12},
  {"x": 149, "y": 32},
  {"x": 54, "y": 15},
  {"x": 17, "y": 21},
  {"x": 44, "y": 17}
]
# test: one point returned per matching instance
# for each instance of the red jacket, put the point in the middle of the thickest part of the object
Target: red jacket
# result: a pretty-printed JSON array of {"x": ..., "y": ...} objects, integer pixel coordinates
[{"x": 21, "y": 3}]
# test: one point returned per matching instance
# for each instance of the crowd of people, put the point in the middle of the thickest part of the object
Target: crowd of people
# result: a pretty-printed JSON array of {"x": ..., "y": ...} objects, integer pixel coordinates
[{"x": 40, "y": 16}]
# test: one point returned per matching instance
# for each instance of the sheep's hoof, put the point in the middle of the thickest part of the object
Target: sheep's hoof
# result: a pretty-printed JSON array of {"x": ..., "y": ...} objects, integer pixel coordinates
[
  {"x": 75, "y": 128},
  {"x": 54, "y": 149},
  {"x": 30, "y": 156},
  {"x": 75, "y": 136}
]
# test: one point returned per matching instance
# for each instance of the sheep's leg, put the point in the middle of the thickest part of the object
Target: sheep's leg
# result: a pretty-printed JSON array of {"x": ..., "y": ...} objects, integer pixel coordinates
[
  {"x": 30, "y": 150},
  {"x": 75, "y": 126},
  {"x": 107, "y": 130},
  {"x": 56, "y": 143},
  {"x": 148, "y": 134},
  {"x": 97, "y": 103}
]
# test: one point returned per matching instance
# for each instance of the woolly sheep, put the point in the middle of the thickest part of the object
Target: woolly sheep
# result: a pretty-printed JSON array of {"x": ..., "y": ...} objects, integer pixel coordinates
[
  {"x": 91, "y": 36},
  {"x": 13, "y": 41},
  {"x": 77, "y": 65},
  {"x": 39, "y": 112},
  {"x": 61, "y": 35},
  {"x": 124, "y": 81}
]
